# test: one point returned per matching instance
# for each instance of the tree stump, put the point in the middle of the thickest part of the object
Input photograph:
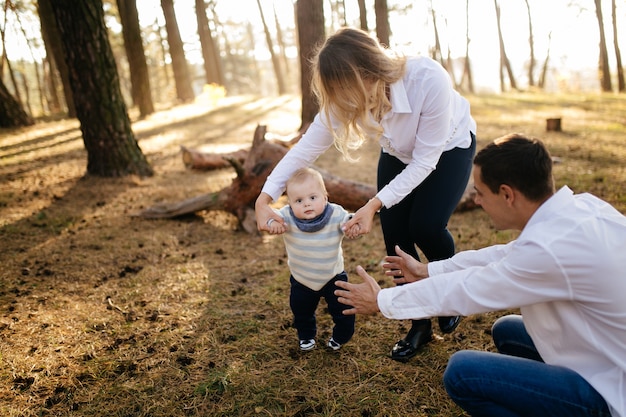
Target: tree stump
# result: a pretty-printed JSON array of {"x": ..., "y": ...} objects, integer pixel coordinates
[{"x": 553, "y": 124}]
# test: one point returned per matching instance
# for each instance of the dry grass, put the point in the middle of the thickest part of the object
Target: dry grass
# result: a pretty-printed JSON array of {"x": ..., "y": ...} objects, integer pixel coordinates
[{"x": 107, "y": 314}]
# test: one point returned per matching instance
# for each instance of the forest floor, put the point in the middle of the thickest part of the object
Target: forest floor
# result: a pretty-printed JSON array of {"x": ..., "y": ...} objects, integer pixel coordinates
[{"x": 103, "y": 313}]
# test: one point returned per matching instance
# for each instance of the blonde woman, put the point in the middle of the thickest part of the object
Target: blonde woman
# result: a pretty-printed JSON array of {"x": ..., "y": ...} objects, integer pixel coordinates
[{"x": 426, "y": 134}]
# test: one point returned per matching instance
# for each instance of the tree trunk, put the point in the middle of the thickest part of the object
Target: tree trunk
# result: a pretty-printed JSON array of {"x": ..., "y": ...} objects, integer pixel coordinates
[
  {"x": 310, "y": 24},
  {"x": 437, "y": 54},
  {"x": 544, "y": 68},
  {"x": 278, "y": 73},
  {"x": 436, "y": 50},
  {"x": 337, "y": 14},
  {"x": 112, "y": 149},
  {"x": 621, "y": 87},
  {"x": 50, "y": 79},
  {"x": 38, "y": 76},
  {"x": 52, "y": 39},
  {"x": 161, "y": 87},
  {"x": 212, "y": 66},
  {"x": 383, "y": 32},
  {"x": 531, "y": 44},
  {"x": 467, "y": 68},
  {"x": 252, "y": 62},
  {"x": 505, "y": 64},
  {"x": 182, "y": 79},
  {"x": 50, "y": 66},
  {"x": 133, "y": 44},
  {"x": 26, "y": 89},
  {"x": 363, "y": 16},
  {"x": 11, "y": 112},
  {"x": 280, "y": 40},
  {"x": 603, "y": 61}
]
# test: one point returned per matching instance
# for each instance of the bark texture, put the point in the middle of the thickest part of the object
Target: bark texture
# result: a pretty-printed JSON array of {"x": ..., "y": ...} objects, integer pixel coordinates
[{"x": 112, "y": 149}]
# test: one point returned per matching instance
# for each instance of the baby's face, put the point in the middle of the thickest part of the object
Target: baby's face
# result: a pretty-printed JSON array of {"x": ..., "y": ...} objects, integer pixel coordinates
[{"x": 306, "y": 199}]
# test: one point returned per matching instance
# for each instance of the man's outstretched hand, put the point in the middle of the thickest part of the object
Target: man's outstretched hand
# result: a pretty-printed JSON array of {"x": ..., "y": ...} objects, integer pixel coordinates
[
  {"x": 404, "y": 268},
  {"x": 361, "y": 297}
]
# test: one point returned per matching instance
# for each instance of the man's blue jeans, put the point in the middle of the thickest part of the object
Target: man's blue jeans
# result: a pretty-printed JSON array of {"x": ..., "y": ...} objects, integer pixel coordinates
[{"x": 516, "y": 382}]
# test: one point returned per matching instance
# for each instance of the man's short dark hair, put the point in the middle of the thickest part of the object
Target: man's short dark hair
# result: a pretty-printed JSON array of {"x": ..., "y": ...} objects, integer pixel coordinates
[{"x": 520, "y": 162}]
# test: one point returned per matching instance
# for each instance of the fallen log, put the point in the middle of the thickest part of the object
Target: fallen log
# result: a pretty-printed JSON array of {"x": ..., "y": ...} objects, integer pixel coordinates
[
  {"x": 252, "y": 171},
  {"x": 194, "y": 159}
]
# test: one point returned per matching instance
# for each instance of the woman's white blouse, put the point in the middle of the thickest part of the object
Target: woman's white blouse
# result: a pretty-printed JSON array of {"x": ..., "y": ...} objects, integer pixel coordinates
[{"x": 427, "y": 117}]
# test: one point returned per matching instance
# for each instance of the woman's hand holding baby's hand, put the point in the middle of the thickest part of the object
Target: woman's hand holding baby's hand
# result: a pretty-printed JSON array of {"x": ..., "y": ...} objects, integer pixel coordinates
[
  {"x": 361, "y": 222},
  {"x": 267, "y": 220}
]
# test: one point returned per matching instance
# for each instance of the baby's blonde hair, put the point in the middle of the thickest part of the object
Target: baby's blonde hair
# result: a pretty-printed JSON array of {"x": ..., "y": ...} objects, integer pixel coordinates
[
  {"x": 351, "y": 76},
  {"x": 302, "y": 174}
]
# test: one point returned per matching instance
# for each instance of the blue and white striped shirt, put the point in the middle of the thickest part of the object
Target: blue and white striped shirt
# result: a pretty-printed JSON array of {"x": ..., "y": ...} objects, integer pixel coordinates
[{"x": 314, "y": 258}]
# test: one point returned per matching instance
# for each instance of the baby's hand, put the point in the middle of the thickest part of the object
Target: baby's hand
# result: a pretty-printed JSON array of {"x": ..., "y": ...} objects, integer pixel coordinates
[
  {"x": 276, "y": 227},
  {"x": 354, "y": 227}
]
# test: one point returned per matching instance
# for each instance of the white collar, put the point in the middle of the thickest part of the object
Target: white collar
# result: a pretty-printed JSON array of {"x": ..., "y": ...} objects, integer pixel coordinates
[{"x": 398, "y": 98}]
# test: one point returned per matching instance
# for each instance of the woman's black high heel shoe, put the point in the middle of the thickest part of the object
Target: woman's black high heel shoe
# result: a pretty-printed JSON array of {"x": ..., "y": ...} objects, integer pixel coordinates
[
  {"x": 420, "y": 334},
  {"x": 448, "y": 324}
]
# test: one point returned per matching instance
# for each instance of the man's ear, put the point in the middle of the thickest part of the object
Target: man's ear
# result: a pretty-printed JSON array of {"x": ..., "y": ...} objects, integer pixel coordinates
[{"x": 508, "y": 193}]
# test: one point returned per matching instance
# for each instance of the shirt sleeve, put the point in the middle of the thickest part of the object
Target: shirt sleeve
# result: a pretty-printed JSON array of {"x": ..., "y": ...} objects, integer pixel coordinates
[
  {"x": 469, "y": 258},
  {"x": 311, "y": 145},
  {"x": 527, "y": 275},
  {"x": 345, "y": 215}
]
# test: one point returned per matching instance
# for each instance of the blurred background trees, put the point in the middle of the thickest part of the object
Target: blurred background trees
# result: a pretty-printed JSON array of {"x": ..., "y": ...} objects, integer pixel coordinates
[
  {"x": 166, "y": 52},
  {"x": 260, "y": 56}
]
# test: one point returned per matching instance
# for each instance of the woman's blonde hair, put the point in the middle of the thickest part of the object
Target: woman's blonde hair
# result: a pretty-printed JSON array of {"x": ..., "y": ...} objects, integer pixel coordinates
[{"x": 351, "y": 77}]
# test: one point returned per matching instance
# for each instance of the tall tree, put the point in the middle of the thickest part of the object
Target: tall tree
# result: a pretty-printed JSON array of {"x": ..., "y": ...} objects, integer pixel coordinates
[
  {"x": 182, "y": 79},
  {"x": 34, "y": 60},
  {"x": 280, "y": 40},
  {"x": 213, "y": 73},
  {"x": 618, "y": 55},
  {"x": 4, "y": 59},
  {"x": 467, "y": 67},
  {"x": 603, "y": 61},
  {"x": 531, "y": 43},
  {"x": 435, "y": 51},
  {"x": 112, "y": 149},
  {"x": 133, "y": 44},
  {"x": 310, "y": 25},
  {"x": 505, "y": 64},
  {"x": 544, "y": 67},
  {"x": 54, "y": 45},
  {"x": 383, "y": 32},
  {"x": 51, "y": 71},
  {"x": 51, "y": 81},
  {"x": 363, "y": 16},
  {"x": 12, "y": 113},
  {"x": 161, "y": 41},
  {"x": 280, "y": 80},
  {"x": 337, "y": 13},
  {"x": 255, "y": 76}
]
